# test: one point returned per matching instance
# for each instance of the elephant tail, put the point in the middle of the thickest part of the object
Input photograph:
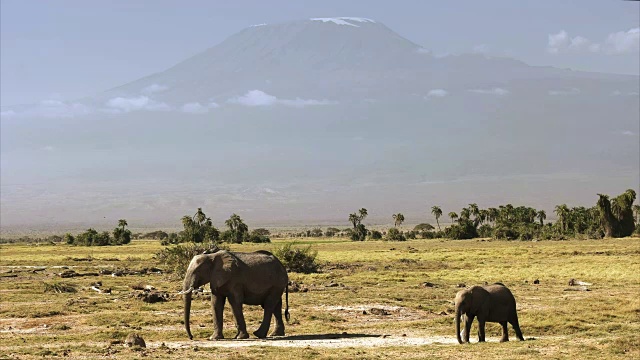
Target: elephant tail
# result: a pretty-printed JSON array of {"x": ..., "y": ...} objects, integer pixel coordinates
[{"x": 286, "y": 297}]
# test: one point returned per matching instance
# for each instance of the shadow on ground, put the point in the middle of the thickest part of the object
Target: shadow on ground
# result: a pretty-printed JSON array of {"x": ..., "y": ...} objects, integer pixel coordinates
[{"x": 324, "y": 336}]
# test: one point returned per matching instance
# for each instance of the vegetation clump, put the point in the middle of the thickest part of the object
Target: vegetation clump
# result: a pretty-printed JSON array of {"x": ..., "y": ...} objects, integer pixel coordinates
[
  {"x": 299, "y": 260},
  {"x": 359, "y": 231}
]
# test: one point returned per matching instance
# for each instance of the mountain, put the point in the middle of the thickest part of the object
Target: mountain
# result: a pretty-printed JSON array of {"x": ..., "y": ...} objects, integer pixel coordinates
[{"x": 309, "y": 120}]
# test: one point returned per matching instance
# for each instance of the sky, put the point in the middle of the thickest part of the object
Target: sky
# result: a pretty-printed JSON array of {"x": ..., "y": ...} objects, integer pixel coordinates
[{"x": 67, "y": 49}]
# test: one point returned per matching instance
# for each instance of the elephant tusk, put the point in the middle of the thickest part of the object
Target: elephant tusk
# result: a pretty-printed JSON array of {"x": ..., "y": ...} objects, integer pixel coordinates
[{"x": 186, "y": 292}]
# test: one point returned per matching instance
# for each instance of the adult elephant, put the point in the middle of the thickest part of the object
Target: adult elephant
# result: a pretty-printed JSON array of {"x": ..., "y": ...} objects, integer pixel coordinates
[
  {"x": 256, "y": 278},
  {"x": 490, "y": 303}
]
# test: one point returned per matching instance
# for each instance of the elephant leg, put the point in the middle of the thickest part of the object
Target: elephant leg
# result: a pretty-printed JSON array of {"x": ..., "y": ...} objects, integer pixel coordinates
[
  {"x": 217, "y": 304},
  {"x": 467, "y": 327},
  {"x": 505, "y": 331},
  {"x": 516, "y": 327},
  {"x": 236, "y": 307},
  {"x": 481, "y": 324},
  {"x": 277, "y": 313},
  {"x": 269, "y": 306}
]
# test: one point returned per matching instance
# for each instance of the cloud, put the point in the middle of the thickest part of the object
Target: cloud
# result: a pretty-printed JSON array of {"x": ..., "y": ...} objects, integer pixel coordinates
[
  {"x": 572, "y": 91},
  {"x": 120, "y": 104},
  {"x": 194, "y": 108},
  {"x": 154, "y": 88},
  {"x": 48, "y": 148},
  {"x": 621, "y": 42},
  {"x": 260, "y": 98},
  {"x": 437, "y": 93},
  {"x": 7, "y": 114},
  {"x": 422, "y": 50},
  {"x": 50, "y": 109},
  {"x": 480, "y": 49},
  {"x": 557, "y": 41},
  {"x": 627, "y": 133},
  {"x": 494, "y": 91},
  {"x": 213, "y": 105}
]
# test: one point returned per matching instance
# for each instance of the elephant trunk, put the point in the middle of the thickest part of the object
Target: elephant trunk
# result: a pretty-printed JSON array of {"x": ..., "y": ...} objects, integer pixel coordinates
[
  {"x": 187, "y": 313},
  {"x": 458, "y": 316}
]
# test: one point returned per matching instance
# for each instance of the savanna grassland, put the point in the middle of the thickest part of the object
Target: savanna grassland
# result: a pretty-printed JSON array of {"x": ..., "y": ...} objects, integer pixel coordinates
[{"x": 372, "y": 299}]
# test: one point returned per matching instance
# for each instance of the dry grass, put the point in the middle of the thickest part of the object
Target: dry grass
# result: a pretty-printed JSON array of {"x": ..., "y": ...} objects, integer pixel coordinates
[{"x": 603, "y": 322}]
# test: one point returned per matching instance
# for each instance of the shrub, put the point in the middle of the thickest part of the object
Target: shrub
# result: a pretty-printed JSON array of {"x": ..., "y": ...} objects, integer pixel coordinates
[
  {"x": 394, "y": 234},
  {"x": 375, "y": 235},
  {"x": 176, "y": 259},
  {"x": 257, "y": 238},
  {"x": 68, "y": 238},
  {"x": 411, "y": 234},
  {"x": 300, "y": 260},
  {"x": 428, "y": 234},
  {"x": 261, "y": 232},
  {"x": 92, "y": 238},
  {"x": 464, "y": 229},
  {"x": 156, "y": 235},
  {"x": 331, "y": 232},
  {"x": 423, "y": 227},
  {"x": 317, "y": 232},
  {"x": 359, "y": 233},
  {"x": 485, "y": 230}
]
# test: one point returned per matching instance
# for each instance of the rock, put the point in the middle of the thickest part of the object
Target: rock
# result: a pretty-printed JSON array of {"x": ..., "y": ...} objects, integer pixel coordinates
[
  {"x": 68, "y": 274},
  {"x": 572, "y": 282},
  {"x": 364, "y": 312},
  {"x": 133, "y": 339},
  {"x": 461, "y": 285},
  {"x": 105, "y": 272},
  {"x": 428, "y": 284},
  {"x": 332, "y": 284},
  {"x": 378, "y": 311},
  {"x": 536, "y": 281}
]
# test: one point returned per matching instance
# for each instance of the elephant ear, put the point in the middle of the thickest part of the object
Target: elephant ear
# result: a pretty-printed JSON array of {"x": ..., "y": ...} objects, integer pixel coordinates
[{"x": 224, "y": 267}]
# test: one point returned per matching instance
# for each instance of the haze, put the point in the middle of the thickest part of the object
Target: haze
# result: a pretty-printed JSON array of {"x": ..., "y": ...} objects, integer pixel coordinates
[{"x": 148, "y": 110}]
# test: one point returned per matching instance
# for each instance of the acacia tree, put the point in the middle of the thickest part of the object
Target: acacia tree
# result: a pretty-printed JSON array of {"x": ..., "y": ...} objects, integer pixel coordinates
[
  {"x": 398, "y": 219},
  {"x": 437, "y": 212}
]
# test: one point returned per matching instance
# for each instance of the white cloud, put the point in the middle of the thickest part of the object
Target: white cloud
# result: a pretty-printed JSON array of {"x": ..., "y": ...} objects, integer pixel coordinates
[
  {"x": 481, "y": 49},
  {"x": 48, "y": 148},
  {"x": 194, "y": 108},
  {"x": 557, "y": 41},
  {"x": 623, "y": 42},
  {"x": 213, "y": 105},
  {"x": 154, "y": 88},
  {"x": 120, "y": 104},
  {"x": 260, "y": 98},
  {"x": 422, "y": 50},
  {"x": 344, "y": 20},
  {"x": 7, "y": 114},
  {"x": 494, "y": 91},
  {"x": 572, "y": 91},
  {"x": 51, "y": 109},
  {"x": 437, "y": 93},
  {"x": 627, "y": 133}
]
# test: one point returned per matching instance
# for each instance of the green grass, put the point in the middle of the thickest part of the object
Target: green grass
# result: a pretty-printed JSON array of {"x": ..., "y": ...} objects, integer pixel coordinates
[{"x": 603, "y": 322}]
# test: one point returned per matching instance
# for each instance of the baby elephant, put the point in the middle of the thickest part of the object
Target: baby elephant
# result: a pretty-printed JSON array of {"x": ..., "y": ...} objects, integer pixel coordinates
[{"x": 492, "y": 303}]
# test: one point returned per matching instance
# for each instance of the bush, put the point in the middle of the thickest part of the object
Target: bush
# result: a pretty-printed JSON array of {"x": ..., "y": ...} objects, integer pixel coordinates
[
  {"x": 317, "y": 232},
  {"x": 121, "y": 237},
  {"x": 359, "y": 233},
  {"x": 464, "y": 229},
  {"x": 428, "y": 234},
  {"x": 69, "y": 239},
  {"x": 300, "y": 260},
  {"x": 331, "y": 232},
  {"x": 156, "y": 235},
  {"x": 257, "y": 238},
  {"x": 92, "y": 238},
  {"x": 176, "y": 259},
  {"x": 423, "y": 227},
  {"x": 375, "y": 235},
  {"x": 411, "y": 234},
  {"x": 394, "y": 234},
  {"x": 485, "y": 230},
  {"x": 261, "y": 232}
]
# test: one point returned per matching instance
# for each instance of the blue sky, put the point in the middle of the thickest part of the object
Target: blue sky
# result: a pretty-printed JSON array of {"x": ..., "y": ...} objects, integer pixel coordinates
[{"x": 69, "y": 49}]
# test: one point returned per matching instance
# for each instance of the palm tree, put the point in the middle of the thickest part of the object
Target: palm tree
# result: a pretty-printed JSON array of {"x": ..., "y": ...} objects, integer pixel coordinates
[
  {"x": 398, "y": 219},
  {"x": 541, "y": 215},
  {"x": 437, "y": 212},
  {"x": 475, "y": 210},
  {"x": 354, "y": 219},
  {"x": 200, "y": 217},
  {"x": 465, "y": 213},
  {"x": 636, "y": 212},
  {"x": 363, "y": 213},
  {"x": 562, "y": 212},
  {"x": 453, "y": 216},
  {"x": 122, "y": 223}
]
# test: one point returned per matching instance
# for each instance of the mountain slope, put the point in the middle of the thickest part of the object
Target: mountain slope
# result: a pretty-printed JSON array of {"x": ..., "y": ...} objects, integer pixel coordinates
[{"x": 311, "y": 119}]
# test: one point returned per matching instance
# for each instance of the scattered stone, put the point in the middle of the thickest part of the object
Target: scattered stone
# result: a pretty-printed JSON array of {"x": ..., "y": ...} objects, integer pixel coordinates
[
  {"x": 297, "y": 287},
  {"x": 116, "y": 342},
  {"x": 428, "y": 284},
  {"x": 332, "y": 284},
  {"x": 97, "y": 284},
  {"x": 404, "y": 335},
  {"x": 364, "y": 312},
  {"x": 574, "y": 282},
  {"x": 133, "y": 339},
  {"x": 461, "y": 285},
  {"x": 105, "y": 272},
  {"x": 344, "y": 333},
  {"x": 68, "y": 274},
  {"x": 536, "y": 281},
  {"x": 151, "y": 296},
  {"x": 378, "y": 311}
]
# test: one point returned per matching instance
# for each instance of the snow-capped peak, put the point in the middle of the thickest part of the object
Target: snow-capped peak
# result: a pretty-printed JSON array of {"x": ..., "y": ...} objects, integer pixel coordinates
[
  {"x": 344, "y": 20},
  {"x": 257, "y": 25}
]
